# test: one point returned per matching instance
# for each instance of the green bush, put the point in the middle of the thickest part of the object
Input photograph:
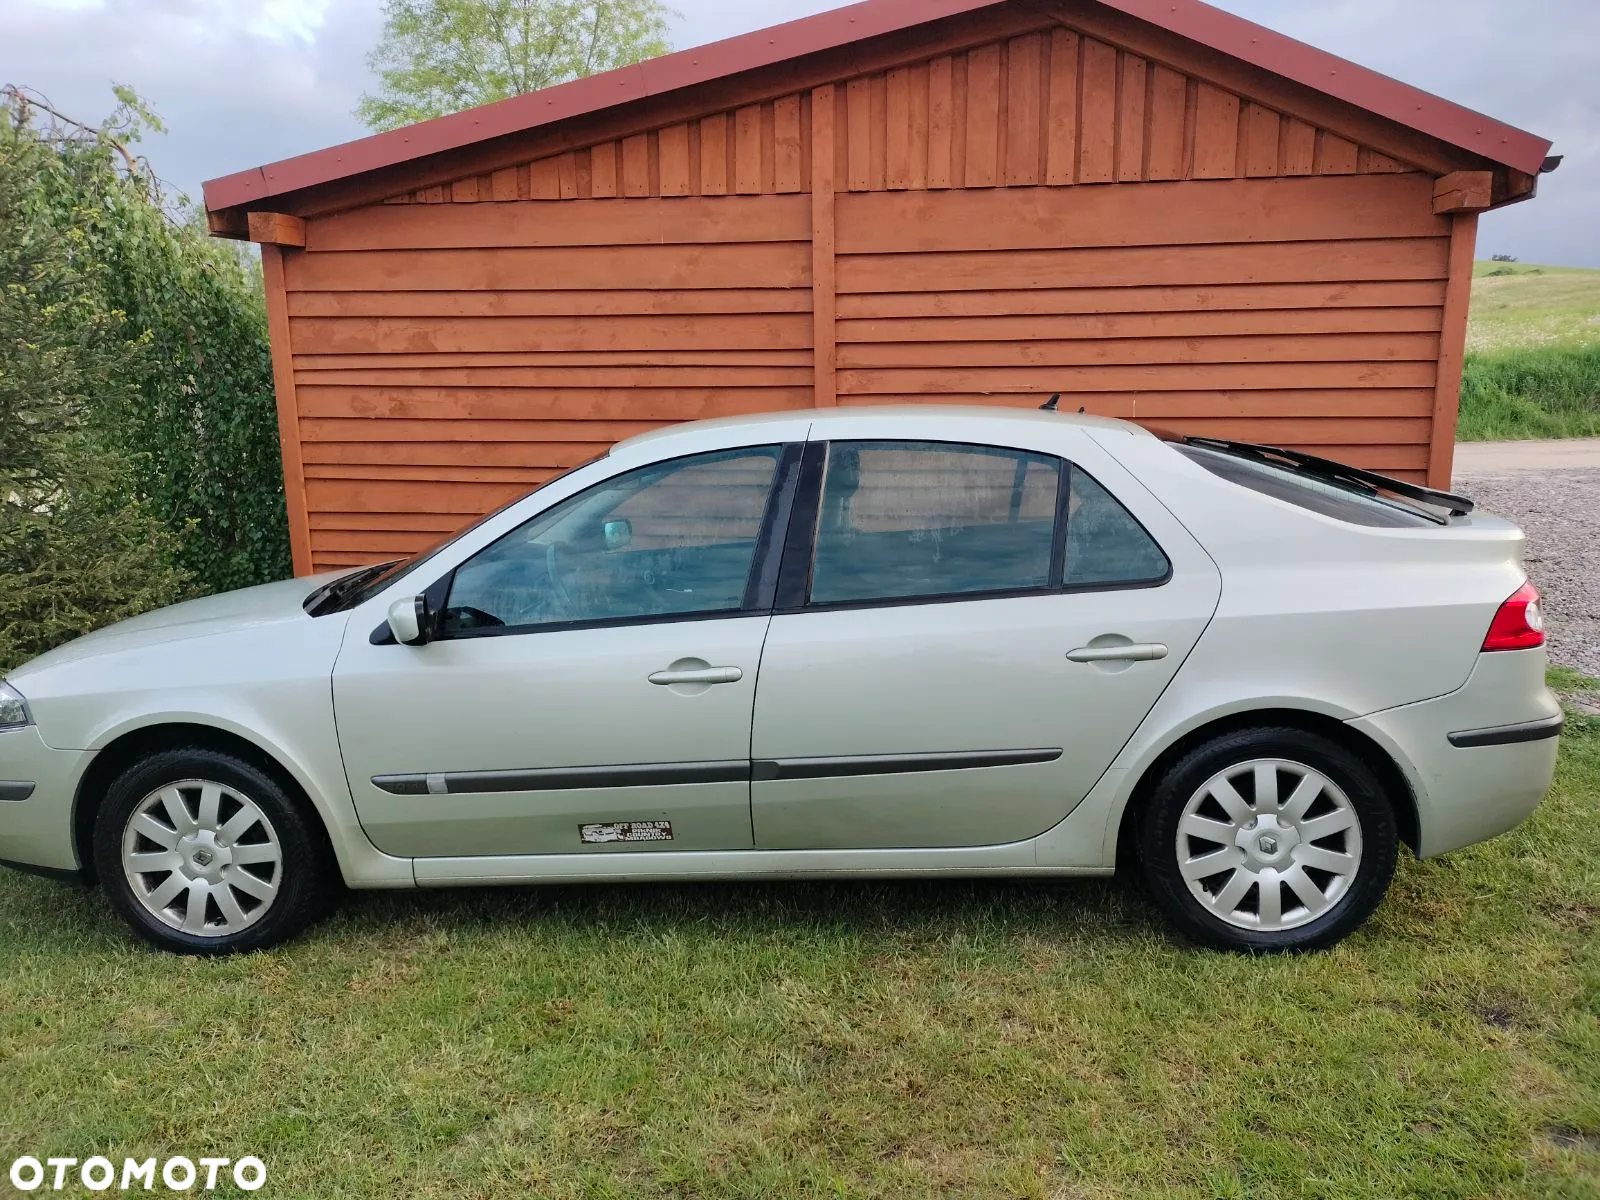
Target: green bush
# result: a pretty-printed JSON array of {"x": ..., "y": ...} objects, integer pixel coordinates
[
  {"x": 138, "y": 441},
  {"x": 1543, "y": 392}
]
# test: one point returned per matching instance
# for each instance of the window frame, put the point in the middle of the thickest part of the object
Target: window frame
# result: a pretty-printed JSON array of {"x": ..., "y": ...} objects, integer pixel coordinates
[
  {"x": 760, "y": 585},
  {"x": 793, "y": 594}
]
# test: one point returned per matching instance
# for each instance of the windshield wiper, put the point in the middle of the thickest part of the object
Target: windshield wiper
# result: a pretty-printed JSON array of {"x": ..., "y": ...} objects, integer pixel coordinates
[
  {"x": 1356, "y": 478},
  {"x": 333, "y": 593}
]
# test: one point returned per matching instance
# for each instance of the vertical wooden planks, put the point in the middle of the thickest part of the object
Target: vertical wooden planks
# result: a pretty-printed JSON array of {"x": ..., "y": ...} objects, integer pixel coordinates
[
  {"x": 673, "y": 144},
  {"x": 1131, "y": 101},
  {"x": 1061, "y": 134},
  {"x": 294, "y": 475},
  {"x": 1335, "y": 156},
  {"x": 941, "y": 123},
  {"x": 573, "y": 175},
  {"x": 824, "y": 261},
  {"x": 544, "y": 182},
  {"x": 1097, "y": 125},
  {"x": 503, "y": 184},
  {"x": 1024, "y": 110},
  {"x": 897, "y": 137},
  {"x": 787, "y": 170},
  {"x": 1169, "y": 96},
  {"x": 1299, "y": 150},
  {"x": 636, "y": 165},
  {"x": 747, "y": 150},
  {"x": 604, "y": 170},
  {"x": 1452, "y": 349},
  {"x": 983, "y": 116},
  {"x": 714, "y": 155},
  {"x": 858, "y": 135},
  {"x": 1260, "y": 133},
  {"x": 1216, "y": 133}
]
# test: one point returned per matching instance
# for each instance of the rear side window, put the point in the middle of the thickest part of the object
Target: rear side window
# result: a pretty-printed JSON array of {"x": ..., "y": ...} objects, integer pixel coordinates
[
  {"x": 1106, "y": 547},
  {"x": 924, "y": 519},
  {"x": 1301, "y": 490}
]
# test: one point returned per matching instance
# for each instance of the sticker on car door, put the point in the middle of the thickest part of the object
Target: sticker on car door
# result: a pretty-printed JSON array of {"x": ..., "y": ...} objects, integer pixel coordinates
[{"x": 626, "y": 831}]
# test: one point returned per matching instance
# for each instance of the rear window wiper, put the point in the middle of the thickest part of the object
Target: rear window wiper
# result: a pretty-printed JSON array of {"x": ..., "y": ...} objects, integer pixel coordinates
[{"x": 1336, "y": 472}]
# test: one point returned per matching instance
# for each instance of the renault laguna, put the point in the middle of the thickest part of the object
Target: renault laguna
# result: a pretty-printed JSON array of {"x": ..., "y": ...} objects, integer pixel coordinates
[{"x": 910, "y": 641}]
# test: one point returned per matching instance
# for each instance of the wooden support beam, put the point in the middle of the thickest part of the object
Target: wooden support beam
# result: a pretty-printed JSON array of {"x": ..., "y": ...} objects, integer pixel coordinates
[
  {"x": 277, "y": 229},
  {"x": 294, "y": 475},
  {"x": 1463, "y": 191},
  {"x": 1452, "y": 349},
  {"x": 824, "y": 261}
]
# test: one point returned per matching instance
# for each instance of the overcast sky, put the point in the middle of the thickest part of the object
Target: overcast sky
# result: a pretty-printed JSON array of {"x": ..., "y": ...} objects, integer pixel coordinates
[{"x": 244, "y": 82}]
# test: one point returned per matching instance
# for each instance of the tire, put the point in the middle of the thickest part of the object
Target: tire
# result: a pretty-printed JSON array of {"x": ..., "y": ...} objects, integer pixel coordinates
[
  {"x": 195, "y": 898},
  {"x": 1326, "y": 849}
]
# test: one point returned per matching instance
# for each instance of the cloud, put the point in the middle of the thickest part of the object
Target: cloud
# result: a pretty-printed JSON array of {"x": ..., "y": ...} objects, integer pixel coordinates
[{"x": 244, "y": 82}]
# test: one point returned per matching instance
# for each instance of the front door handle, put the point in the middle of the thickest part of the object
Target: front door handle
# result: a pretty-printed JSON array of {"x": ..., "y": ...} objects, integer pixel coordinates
[
  {"x": 1127, "y": 652},
  {"x": 702, "y": 675}
]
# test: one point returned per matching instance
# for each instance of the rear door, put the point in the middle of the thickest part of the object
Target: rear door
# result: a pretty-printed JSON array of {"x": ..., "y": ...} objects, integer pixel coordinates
[{"x": 965, "y": 637}]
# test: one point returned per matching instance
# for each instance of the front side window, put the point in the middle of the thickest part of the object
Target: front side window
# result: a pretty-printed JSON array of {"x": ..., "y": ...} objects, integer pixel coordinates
[
  {"x": 674, "y": 538},
  {"x": 927, "y": 519}
]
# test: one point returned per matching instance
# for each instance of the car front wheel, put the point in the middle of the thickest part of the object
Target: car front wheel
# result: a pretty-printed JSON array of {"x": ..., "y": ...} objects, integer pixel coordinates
[
  {"x": 1267, "y": 840},
  {"x": 203, "y": 853}
]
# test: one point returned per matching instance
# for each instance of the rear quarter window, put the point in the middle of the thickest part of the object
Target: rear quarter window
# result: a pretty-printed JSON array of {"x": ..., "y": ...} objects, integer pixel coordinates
[{"x": 1303, "y": 491}]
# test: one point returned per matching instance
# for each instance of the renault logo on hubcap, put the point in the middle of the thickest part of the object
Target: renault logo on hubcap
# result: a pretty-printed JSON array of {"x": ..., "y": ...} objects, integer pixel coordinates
[
  {"x": 1269, "y": 845},
  {"x": 202, "y": 858}
]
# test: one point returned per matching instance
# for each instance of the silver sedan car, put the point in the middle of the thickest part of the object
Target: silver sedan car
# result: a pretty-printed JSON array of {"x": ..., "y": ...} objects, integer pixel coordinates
[{"x": 881, "y": 642}]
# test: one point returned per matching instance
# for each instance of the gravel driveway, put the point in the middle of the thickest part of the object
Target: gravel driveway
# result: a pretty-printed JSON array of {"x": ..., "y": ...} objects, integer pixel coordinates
[{"x": 1560, "y": 511}]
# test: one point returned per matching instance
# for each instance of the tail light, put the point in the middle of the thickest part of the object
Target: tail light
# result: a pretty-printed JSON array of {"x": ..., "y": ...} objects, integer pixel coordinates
[{"x": 1519, "y": 625}]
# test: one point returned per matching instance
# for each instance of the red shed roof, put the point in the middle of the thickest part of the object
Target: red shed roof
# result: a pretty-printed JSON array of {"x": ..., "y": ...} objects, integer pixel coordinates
[{"x": 1244, "y": 40}]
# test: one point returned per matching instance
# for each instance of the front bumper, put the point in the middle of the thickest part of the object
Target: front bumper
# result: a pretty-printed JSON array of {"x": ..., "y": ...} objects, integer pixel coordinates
[
  {"x": 1480, "y": 759},
  {"x": 36, "y": 832}
]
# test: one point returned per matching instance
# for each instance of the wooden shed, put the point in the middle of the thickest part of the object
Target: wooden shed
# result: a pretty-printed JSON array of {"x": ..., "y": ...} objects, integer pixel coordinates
[{"x": 1163, "y": 211}]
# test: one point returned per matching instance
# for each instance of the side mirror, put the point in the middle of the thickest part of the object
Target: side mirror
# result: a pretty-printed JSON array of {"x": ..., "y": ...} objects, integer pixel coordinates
[
  {"x": 618, "y": 533},
  {"x": 408, "y": 620}
]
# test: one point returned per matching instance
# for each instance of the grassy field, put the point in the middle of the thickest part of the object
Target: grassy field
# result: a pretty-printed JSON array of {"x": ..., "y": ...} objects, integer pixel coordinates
[
  {"x": 942, "y": 1039},
  {"x": 1533, "y": 354}
]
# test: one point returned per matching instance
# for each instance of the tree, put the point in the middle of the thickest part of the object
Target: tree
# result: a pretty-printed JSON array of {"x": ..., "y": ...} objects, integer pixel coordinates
[{"x": 441, "y": 56}]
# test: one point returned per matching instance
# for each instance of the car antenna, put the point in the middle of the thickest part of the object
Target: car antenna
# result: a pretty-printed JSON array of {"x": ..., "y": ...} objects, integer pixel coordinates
[{"x": 1050, "y": 404}]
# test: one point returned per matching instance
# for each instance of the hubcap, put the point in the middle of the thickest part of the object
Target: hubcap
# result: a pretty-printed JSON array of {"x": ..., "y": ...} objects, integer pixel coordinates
[
  {"x": 202, "y": 857},
  {"x": 1268, "y": 844}
]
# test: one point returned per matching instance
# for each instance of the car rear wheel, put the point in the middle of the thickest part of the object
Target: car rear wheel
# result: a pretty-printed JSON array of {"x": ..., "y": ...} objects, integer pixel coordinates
[
  {"x": 1269, "y": 839},
  {"x": 203, "y": 853}
]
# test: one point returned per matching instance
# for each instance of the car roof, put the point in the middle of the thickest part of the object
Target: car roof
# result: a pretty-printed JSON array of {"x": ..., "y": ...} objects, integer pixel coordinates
[{"x": 919, "y": 420}]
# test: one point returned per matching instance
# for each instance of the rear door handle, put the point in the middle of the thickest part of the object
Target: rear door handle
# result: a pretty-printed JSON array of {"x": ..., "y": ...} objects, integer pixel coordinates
[
  {"x": 1128, "y": 652},
  {"x": 702, "y": 675}
]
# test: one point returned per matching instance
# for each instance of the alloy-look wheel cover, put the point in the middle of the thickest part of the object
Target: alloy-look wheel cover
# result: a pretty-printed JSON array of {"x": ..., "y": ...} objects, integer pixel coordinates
[
  {"x": 202, "y": 858},
  {"x": 1268, "y": 844}
]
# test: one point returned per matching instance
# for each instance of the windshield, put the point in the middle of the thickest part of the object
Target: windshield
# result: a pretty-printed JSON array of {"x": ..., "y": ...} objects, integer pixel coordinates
[{"x": 359, "y": 586}]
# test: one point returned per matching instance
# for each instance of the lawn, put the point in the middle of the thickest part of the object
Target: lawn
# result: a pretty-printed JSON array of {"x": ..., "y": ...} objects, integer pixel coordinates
[
  {"x": 975, "y": 1039},
  {"x": 1533, "y": 353}
]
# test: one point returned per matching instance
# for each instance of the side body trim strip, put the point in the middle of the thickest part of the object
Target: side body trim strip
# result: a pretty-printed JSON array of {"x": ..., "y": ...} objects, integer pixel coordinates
[
  {"x": 726, "y": 771},
  {"x": 895, "y": 764},
  {"x": 15, "y": 790},
  {"x": 1506, "y": 735}
]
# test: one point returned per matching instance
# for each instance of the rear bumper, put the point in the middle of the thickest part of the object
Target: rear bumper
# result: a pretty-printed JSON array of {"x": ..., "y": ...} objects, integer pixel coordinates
[
  {"x": 36, "y": 830},
  {"x": 1480, "y": 759}
]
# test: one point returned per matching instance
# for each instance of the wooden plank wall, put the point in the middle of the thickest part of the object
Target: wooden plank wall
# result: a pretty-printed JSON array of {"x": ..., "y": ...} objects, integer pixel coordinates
[
  {"x": 1043, "y": 213},
  {"x": 447, "y": 360}
]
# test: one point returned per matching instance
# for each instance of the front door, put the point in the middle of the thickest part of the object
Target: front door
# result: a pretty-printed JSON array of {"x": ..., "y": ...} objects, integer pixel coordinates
[
  {"x": 976, "y": 634},
  {"x": 591, "y": 689}
]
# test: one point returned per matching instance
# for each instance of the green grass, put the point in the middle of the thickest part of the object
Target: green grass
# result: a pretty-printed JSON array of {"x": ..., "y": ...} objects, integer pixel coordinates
[
  {"x": 1533, "y": 354},
  {"x": 1518, "y": 306},
  {"x": 940, "y": 1039}
]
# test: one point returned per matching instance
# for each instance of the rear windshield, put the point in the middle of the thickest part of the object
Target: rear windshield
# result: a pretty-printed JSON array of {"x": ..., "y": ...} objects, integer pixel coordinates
[{"x": 1302, "y": 489}]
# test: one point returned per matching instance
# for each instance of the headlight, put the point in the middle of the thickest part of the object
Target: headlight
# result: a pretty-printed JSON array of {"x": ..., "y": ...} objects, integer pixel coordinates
[{"x": 13, "y": 708}]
